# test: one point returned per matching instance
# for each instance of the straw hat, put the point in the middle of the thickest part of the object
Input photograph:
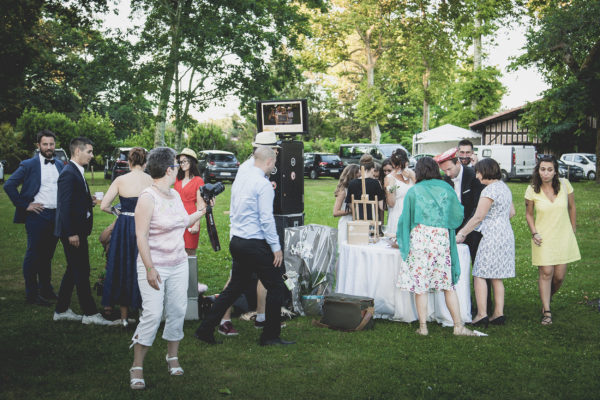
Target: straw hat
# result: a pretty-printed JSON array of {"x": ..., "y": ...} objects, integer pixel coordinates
[
  {"x": 188, "y": 152},
  {"x": 265, "y": 139}
]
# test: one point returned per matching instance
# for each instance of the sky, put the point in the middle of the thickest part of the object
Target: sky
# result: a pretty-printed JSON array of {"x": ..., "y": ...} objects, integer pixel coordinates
[{"x": 523, "y": 85}]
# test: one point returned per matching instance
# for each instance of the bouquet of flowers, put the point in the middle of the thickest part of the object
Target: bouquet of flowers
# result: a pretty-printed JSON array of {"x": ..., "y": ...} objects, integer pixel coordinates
[{"x": 392, "y": 188}]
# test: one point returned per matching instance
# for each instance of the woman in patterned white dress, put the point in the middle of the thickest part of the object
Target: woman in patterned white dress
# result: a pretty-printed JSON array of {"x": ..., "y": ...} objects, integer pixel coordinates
[
  {"x": 396, "y": 185},
  {"x": 427, "y": 243},
  {"x": 495, "y": 258},
  {"x": 340, "y": 208}
]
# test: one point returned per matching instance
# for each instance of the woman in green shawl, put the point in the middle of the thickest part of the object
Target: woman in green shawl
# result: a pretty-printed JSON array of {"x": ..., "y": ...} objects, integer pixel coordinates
[{"x": 427, "y": 242}]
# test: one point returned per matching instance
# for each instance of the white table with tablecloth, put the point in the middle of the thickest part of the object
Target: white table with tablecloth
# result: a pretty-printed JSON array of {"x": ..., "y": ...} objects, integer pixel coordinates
[{"x": 372, "y": 271}]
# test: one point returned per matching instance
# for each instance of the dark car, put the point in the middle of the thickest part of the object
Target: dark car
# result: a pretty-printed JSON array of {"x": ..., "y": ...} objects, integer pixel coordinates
[
  {"x": 58, "y": 153},
  {"x": 117, "y": 164},
  {"x": 571, "y": 172},
  {"x": 322, "y": 164},
  {"x": 217, "y": 165}
]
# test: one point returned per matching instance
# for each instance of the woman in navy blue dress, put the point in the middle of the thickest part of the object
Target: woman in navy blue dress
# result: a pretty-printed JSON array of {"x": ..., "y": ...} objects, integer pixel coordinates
[{"x": 121, "y": 283}]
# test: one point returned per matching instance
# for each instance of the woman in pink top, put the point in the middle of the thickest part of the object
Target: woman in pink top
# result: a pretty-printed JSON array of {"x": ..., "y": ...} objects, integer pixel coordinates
[{"x": 162, "y": 267}]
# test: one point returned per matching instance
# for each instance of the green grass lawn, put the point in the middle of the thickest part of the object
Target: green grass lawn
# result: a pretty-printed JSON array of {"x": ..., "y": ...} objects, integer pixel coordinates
[{"x": 47, "y": 360}]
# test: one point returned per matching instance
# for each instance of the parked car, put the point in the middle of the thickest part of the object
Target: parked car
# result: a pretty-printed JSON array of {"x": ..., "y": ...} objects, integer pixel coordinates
[
  {"x": 586, "y": 161},
  {"x": 351, "y": 153},
  {"x": 322, "y": 164},
  {"x": 58, "y": 153},
  {"x": 2, "y": 164},
  {"x": 417, "y": 157},
  {"x": 117, "y": 164},
  {"x": 571, "y": 172},
  {"x": 217, "y": 165},
  {"x": 517, "y": 161}
]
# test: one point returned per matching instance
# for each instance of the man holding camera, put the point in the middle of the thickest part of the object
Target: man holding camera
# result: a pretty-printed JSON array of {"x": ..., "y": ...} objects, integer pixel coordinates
[{"x": 254, "y": 248}]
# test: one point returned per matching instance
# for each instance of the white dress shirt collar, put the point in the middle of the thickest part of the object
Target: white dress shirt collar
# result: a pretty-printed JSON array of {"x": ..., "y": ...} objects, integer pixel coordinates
[
  {"x": 458, "y": 183},
  {"x": 80, "y": 168}
]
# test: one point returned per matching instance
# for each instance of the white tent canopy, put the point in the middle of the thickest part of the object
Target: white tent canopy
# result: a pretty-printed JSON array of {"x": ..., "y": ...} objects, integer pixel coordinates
[{"x": 436, "y": 141}]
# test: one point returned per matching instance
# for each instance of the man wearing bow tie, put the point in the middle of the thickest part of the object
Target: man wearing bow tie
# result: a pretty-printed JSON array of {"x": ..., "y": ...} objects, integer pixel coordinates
[{"x": 35, "y": 206}]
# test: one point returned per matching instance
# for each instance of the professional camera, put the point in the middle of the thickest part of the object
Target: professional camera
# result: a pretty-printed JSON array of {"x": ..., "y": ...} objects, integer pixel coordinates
[{"x": 209, "y": 192}]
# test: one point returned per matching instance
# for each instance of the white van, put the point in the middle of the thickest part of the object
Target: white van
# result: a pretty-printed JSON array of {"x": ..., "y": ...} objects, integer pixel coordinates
[
  {"x": 586, "y": 161},
  {"x": 516, "y": 161}
]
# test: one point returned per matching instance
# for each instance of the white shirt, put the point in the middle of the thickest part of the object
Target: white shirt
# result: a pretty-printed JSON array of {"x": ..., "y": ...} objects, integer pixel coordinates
[
  {"x": 48, "y": 185},
  {"x": 251, "y": 207},
  {"x": 80, "y": 168},
  {"x": 458, "y": 183}
]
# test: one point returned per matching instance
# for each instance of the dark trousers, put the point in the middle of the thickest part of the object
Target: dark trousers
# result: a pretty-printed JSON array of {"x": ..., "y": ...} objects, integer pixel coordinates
[
  {"x": 76, "y": 275},
  {"x": 250, "y": 256},
  {"x": 41, "y": 244}
]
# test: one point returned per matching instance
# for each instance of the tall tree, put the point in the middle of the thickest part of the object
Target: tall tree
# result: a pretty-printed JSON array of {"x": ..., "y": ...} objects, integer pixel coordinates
[
  {"x": 206, "y": 50},
  {"x": 46, "y": 54},
  {"x": 429, "y": 52},
  {"x": 351, "y": 40},
  {"x": 481, "y": 18},
  {"x": 564, "y": 44}
]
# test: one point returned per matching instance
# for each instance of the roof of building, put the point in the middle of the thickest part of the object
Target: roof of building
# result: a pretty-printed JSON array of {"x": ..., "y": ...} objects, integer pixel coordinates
[{"x": 501, "y": 115}]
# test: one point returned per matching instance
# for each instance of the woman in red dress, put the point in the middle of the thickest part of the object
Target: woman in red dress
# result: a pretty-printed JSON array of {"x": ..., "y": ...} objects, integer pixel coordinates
[{"x": 187, "y": 183}]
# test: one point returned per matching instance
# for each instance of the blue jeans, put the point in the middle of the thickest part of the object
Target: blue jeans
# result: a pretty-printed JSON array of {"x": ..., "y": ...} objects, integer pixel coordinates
[{"x": 41, "y": 244}]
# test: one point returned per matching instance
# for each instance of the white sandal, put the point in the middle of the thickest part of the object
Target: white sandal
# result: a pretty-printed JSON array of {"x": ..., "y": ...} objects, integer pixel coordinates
[
  {"x": 136, "y": 383},
  {"x": 175, "y": 371}
]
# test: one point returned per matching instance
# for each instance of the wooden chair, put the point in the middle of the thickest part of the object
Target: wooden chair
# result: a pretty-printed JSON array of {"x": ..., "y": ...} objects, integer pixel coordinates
[{"x": 366, "y": 204}]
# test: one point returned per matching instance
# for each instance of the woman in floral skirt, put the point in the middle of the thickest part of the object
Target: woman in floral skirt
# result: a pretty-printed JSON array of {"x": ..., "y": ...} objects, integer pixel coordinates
[{"x": 427, "y": 242}]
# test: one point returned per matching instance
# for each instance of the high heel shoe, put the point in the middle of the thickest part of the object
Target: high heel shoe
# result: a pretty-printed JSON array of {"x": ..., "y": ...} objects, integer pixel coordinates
[
  {"x": 136, "y": 383},
  {"x": 485, "y": 321},
  {"x": 174, "y": 371},
  {"x": 501, "y": 320}
]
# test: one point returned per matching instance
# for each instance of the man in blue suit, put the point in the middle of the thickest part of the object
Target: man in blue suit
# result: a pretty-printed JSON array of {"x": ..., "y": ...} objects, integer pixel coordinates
[
  {"x": 36, "y": 207},
  {"x": 74, "y": 220}
]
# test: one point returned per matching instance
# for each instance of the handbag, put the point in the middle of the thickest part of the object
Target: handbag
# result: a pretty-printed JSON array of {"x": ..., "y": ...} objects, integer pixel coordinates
[{"x": 347, "y": 313}]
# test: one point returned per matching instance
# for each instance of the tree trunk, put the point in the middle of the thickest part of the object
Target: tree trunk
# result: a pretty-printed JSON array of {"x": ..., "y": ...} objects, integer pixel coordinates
[
  {"x": 426, "y": 74},
  {"x": 374, "y": 126},
  {"x": 165, "y": 88},
  {"x": 476, "y": 53}
]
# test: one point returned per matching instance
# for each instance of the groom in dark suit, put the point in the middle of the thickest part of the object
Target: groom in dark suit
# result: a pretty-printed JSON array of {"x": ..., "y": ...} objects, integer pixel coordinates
[
  {"x": 468, "y": 189},
  {"x": 35, "y": 206},
  {"x": 74, "y": 220}
]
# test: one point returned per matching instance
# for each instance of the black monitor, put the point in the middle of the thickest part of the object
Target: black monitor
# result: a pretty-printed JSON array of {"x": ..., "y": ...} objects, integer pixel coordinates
[{"x": 284, "y": 117}]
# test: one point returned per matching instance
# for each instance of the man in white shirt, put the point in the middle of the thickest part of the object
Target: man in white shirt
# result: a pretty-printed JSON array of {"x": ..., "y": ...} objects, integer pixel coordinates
[
  {"x": 74, "y": 221},
  {"x": 254, "y": 247},
  {"x": 467, "y": 188},
  {"x": 35, "y": 206}
]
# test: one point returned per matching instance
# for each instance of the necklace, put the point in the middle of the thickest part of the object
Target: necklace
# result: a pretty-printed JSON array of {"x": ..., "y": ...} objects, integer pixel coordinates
[{"x": 166, "y": 193}]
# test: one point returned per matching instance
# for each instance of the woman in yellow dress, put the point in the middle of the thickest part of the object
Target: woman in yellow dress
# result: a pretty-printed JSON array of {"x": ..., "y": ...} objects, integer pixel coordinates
[{"x": 553, "y": 242}]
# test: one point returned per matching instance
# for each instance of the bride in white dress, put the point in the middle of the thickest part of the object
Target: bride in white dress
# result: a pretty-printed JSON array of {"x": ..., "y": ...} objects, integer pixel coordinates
[
  {"x": 397, "y": 184},
  {"x": 340, "y": 208}
]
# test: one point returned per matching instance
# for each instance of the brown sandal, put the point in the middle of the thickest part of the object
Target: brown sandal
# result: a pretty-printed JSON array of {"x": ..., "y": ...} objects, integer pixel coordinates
[{"x": 546, "y": 319}]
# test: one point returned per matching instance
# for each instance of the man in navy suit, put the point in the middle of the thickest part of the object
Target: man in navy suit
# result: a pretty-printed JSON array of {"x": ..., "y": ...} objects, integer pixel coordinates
[
  {"x": 74, "y": 220},
  {"x": 36, "y": 207},
  {"x": 468, "y": 189}
]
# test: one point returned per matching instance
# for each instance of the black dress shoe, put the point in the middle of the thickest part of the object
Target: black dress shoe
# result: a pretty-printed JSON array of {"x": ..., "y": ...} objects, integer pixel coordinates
[
  {"x": 49, "y": 296},
  {"x": 275, "y": 342},
  {"x": 485, "y": 321},
  {"x": 206, "y": 337},
  {"x": 501, "y": 320},
  {"x": 38, "y": 301}
]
